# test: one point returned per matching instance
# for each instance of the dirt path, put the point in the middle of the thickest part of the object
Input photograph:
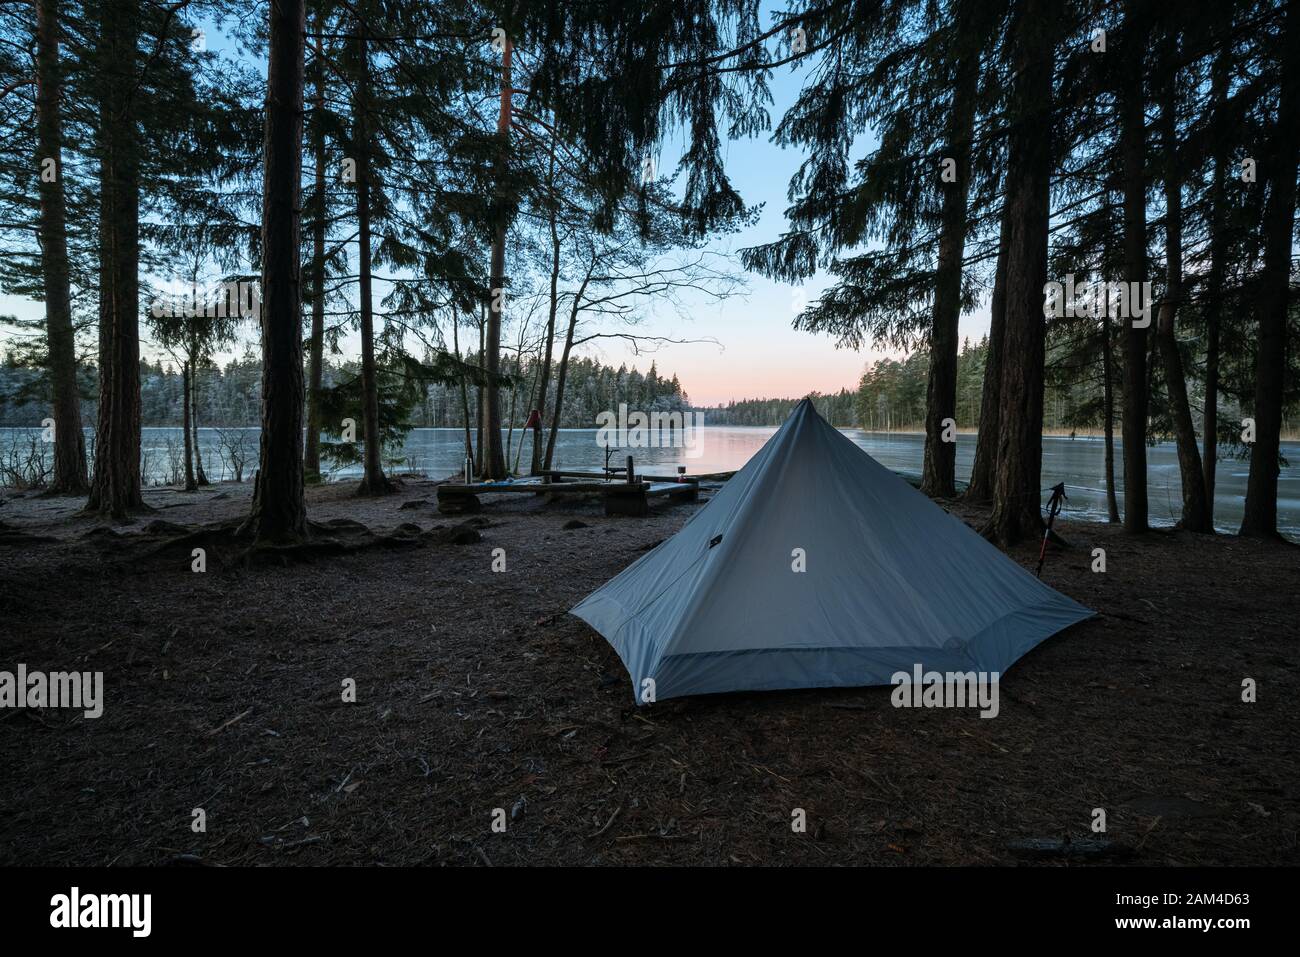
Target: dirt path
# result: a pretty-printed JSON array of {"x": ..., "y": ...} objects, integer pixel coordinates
[{"x": 475, "y": 691}]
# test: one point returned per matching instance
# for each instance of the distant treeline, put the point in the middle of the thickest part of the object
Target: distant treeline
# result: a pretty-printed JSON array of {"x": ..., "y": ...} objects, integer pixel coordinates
[
  {"x": 838, "y": 409},
  {"x": 230, "y": 395},
  {"x": 890, "y": 395}
]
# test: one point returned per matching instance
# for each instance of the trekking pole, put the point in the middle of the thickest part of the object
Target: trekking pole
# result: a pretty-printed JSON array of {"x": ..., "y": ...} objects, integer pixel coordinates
[{"x": 1053, "y": 509}]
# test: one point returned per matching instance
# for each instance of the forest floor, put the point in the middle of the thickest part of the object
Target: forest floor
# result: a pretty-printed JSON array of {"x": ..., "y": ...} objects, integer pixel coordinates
[{"x": 475, "y": 691}]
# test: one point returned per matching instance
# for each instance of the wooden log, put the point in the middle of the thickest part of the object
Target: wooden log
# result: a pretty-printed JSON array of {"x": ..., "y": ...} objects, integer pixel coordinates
[
  {"x": 685, "y": 490},
  {"x": 560, "y": 475}
]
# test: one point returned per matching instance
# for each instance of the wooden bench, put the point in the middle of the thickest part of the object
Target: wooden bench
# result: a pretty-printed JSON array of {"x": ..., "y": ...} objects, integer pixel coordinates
[
  {"x": 620, "y": 498},
  {"x": 455, "y": 498}
]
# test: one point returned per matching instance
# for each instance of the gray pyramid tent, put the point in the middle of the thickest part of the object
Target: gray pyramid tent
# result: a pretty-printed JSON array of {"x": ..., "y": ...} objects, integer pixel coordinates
[{"x": 892, "y": 581}]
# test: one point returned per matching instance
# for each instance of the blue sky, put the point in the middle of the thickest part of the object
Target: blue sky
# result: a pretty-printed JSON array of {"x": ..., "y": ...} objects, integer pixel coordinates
[{"x": 761, "y": 355}]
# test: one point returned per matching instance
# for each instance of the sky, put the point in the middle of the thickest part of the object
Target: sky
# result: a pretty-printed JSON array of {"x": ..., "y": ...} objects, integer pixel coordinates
[
  {"x": 759, "y": 354},
  {"x": 753, "y": 352}
]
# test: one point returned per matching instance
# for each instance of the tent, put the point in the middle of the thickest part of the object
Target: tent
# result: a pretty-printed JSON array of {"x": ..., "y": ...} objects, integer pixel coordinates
[{"x": 890, "y": 581}]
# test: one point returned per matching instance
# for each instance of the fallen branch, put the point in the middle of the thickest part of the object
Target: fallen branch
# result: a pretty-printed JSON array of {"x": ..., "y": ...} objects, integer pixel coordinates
[
  {"x": 612, "y": 818},
  {"x": 237, "y": 718}
]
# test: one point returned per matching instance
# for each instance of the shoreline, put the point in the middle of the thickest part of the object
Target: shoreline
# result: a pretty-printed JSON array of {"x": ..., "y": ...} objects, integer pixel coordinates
[
  {"x": 1078, "y": 513},
  {"x": 961, "y": 430}
]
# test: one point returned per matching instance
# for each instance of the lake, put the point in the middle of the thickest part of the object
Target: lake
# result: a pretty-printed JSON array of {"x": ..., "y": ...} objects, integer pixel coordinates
[{"x": 1078, "y": 462}]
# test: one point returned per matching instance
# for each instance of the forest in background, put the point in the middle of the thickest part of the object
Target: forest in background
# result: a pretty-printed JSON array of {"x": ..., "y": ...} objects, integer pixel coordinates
[
  {"x": 479, "y": 178},
  {"x": 230, "y": 395},
  {"x": 890, "y": 396}
]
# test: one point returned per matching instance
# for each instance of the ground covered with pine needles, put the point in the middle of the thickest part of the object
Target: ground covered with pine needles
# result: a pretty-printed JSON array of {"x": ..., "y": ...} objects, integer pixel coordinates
[{"x": 475, "y": 691}]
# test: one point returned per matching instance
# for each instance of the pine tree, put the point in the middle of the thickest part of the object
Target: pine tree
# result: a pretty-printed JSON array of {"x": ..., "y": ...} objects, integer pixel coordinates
[
  {"x": 69, "y": 476},
  {"x": 1195, "y": 513},
  {"x": 373, "y": 482},
  {"x": 940, "y": 457},
  {"x": 116, "y": 489},
  {"x": 1132, "y": 149},
  {"x": 1020, "y": 417},
  {"x": 1271, "y": 307},
  {"x": 279, "y": 513}
]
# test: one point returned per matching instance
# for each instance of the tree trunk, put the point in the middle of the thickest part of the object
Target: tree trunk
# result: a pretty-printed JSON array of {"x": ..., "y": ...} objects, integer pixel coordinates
[
  {"x": 1132, "y": 147},
  {"x": 279, "y": 513},
  {"x": 1189, "y": 458},
  {"x": 373, "y": 482},
  {"x": 1210, "y": 423},
  {"x": 1108, "y": 404},
  {"x": 1016, "y": 512},
  {"x": 1260, "y": 516},
  {"x": 493, "y": 454},
  {"x": 531, "y": 392},
  {"x": 115, "y": 489},
  {"x": 190, "y": 484},
  {"x": 69, "y": 476},
  {"x": 544, "y": 382},
  {"x": 1214, "y": 281},
  {"x": 980, "y": 490},
  {"x": 938, "y": 471},
  {"x": 478, "y": 396},
  {"x": 514, "y": 401},
  {"x": 200, "y": 476},
  {"x": 316, "y": 348},
  {"x": 464, "y": 394},
  {"x": 561, "y": 374}
]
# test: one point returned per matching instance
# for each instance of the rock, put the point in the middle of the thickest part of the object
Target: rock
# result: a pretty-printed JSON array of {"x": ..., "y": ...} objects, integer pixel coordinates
[
  {"x": 413, "y": 503},
  {"x": 574, "y": 523}
]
